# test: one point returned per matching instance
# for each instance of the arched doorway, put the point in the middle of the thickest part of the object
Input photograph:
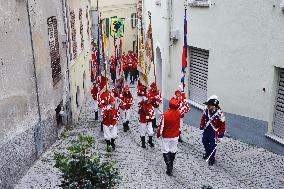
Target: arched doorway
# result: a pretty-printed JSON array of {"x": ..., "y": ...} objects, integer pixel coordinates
[{"x": 159, "y": 71}]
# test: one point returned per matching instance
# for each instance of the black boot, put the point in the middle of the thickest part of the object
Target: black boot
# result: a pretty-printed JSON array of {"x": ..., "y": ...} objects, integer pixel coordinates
[
  {"x": 113, "y": 144},
  {"x": 124, "y": 127},
  {"x": 172, "y": 156},
  {"x": 211, "y": 161},
  {"x": 167, "y": 160},
  {"x": 205, "y": 156},
  {"x": 143, "y": 142},
  {"x": 154, "y": 124},
  {"x": 102, "y": 127},
  {"x": 108, "y": 147},
  {"x": 179, "y": 137},
  {"x": 96, "y": 115},
  {"x": 127, "y": 125},
  {"x": 150, "y": 141}
]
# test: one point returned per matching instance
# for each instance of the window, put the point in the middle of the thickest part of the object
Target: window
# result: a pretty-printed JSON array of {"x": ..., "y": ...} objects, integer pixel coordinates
[
  {"x": 198, "y": 74},
  {"x": 278, "y": 122},
  {"x": 133, "y": 20},
  {"x": 199, "y": 3},
  {"x": 81, "y": 28},
  {"x": 73, "y": 34},
  {"x": 54, "y": 49}
]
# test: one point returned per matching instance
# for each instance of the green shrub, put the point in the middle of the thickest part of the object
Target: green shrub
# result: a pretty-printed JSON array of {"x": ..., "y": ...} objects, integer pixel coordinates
[{"x": 83, "y": 169}]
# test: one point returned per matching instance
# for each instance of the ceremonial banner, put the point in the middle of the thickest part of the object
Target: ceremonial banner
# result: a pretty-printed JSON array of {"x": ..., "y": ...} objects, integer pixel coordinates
[
  {"x": 148, "y": 51},
  {"x": 184, "y": 50},
  {"x": 117, "y": 27}
]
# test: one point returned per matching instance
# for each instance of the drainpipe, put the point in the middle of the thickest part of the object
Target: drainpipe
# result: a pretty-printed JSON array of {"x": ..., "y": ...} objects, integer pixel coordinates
[
  {"x": 38, "y": 128},
  {"x": 169, "y": 16}
]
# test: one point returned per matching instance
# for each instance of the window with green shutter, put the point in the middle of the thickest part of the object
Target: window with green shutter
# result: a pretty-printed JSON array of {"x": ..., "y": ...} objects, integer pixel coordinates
[{"x": 107, "y": 27}]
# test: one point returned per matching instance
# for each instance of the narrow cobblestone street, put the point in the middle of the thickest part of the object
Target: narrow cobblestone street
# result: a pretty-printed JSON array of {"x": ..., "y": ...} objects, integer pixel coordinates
[{"x": 238, "y": 165}]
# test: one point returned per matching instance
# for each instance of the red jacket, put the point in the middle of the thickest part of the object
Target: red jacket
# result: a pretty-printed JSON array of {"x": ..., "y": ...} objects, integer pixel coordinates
[
  {"x": 183, "y": 105},
  {"x": 110, "y": 116},
  {"x": 156, "y": 97},
  {"x": 141, "y": 90},
  {"x": 170, "y": 121},
  {"x": 146, "y": 112},
  {"x": 126, "y": 101},
  {"x": 217, "y": 122},
  {"x": 112, "y": 67},
  {"x": 104, "y": 99}
]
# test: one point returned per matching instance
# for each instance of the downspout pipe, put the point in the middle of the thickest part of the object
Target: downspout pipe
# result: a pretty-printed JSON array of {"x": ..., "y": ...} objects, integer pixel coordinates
[
  {"x": 38, "y": 128},
  {"x": 170, "y": 5}
]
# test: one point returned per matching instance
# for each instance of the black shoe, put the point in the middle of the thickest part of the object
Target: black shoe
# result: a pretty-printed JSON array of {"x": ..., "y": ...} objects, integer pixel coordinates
[
  {"x": 96, "y": 115},
  {"x": 124, "y": 127},
  {"x": 102, "y": 127},
  {"x": 211, "y": 161},
  {"x": 150, "y": 141},
  {"x": 113, "y": 144},
  {"x": 143, "y": 142},
  {"x": 205, "y": 156}
]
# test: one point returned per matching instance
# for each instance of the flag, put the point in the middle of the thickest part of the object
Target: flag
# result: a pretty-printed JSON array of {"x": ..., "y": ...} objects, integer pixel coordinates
[{"x": 184, "y": 50}]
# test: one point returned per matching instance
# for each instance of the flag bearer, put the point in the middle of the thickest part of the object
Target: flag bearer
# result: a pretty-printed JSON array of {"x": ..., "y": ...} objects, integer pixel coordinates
[
  {"x": 156, "y": 99},
  {"x": 213, "y": 126},
  {"x": 169, "y": 131},
  {"x": 146, "y": 115},
  {"x": 126, "y": 101},
  {"x": 110, "y": 117}
]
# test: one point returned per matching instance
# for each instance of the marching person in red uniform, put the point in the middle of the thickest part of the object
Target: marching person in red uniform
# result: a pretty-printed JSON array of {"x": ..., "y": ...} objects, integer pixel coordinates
[
  {"x": 156, "y": 98},
  {"x": 169, "y": 131},
  {"x": 125, "y": 66},
  {"x": 141, "y": 91},
  {"x": 213, "y": 126},
  {"x": 183, "y": 104},
  {"x": 104, "y": 99},
  {"x": 110, "y": 117},
  {"x": 146, "y": 115},
  {"x": 126, "y": 101}
]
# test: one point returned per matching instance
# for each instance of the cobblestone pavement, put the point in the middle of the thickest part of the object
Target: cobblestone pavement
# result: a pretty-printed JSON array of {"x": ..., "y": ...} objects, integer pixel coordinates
[{"x": 238, "y": 165}]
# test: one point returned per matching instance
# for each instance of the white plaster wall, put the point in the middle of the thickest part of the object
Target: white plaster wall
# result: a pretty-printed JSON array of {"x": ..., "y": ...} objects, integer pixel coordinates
[{"x": 245, "y": 40}]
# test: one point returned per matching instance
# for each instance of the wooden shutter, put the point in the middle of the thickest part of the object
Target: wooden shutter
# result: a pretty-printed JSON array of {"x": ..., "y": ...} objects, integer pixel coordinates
[
  {"x": 198, "y": 74},
  {"x": 54, "y": 49},
  {"x": 278, "y": 123},
  {"x": 73, "y": 34}
]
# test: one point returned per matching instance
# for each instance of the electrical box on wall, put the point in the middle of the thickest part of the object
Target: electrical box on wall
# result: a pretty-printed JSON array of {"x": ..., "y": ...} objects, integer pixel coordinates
[
  {"x": 158, "y": 2},
  {"x": 175, "y": 35}
]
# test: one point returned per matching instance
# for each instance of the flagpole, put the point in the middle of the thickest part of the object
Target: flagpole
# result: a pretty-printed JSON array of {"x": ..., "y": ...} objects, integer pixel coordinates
[{"x": 151, "y": 36}]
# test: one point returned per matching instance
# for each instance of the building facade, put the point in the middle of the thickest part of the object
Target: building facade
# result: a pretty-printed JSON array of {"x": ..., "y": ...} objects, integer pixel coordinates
[
  {"x": 79, "y": 37},
  {"x": 33, "y": 82},
  {"x": 234, "y": 52},
  {"x": 125, "y": 9},
  {"x": 42, "y": 73}
]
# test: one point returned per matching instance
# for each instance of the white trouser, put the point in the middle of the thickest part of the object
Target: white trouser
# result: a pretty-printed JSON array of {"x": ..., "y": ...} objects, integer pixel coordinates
[
  {"x": 126, "y": 115},
  {"x": 117, "y": 101},
  {"x": 140, "y": 98},
  {"x": 146, "y": 128},
  {"x": 169, "y": 145},
  {"x": 110, "y": 132},
  {"x": 96, "y": 106},
  {"x": 181, "y": 124}
]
